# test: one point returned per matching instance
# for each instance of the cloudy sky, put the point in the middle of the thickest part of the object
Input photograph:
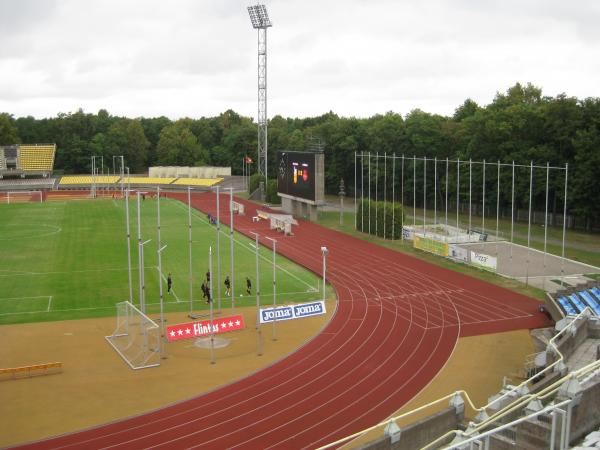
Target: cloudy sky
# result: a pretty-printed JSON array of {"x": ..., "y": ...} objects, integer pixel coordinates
[{"x": 357, "y": 57}]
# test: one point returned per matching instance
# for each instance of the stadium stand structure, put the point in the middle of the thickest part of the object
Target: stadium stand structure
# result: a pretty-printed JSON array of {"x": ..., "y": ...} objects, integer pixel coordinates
[
  {"x": 27, "y": 160},
  {"x": 197, "y": 181},
  {"x": 573, "y": 300},
  {"x": 88, "y": 179}
]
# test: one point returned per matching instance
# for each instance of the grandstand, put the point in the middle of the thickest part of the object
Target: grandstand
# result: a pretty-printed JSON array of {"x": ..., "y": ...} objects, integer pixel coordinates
[
  {"x": 573, "y": 301},
  {"x": 27, "y": 160}
]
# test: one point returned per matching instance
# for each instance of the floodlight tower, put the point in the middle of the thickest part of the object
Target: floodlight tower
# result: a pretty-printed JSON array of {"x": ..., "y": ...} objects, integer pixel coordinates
[{"x": 260, "y": 21}]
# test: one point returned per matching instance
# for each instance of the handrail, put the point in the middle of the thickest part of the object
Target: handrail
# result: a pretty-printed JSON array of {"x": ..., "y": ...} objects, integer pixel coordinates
[{"x": 499, "y": 414}]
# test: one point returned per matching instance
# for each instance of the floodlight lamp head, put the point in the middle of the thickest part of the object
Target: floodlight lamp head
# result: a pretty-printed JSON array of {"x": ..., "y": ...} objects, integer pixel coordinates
[
  {"x": 259, "y": 16},
  {"x": 325, "y": 251}
]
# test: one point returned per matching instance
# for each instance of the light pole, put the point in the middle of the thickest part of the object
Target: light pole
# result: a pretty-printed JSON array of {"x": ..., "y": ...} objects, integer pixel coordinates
[
  {"x": 139, "y": 237},
  {"x": 128, "y": 183},
  {"x": 160, "y": 290},
  {"x": 274, "y": 285},
  {"x": 190, "y": 249},
  {"x": 258, "y": 329},
  {"x": 325, "y": 252}
]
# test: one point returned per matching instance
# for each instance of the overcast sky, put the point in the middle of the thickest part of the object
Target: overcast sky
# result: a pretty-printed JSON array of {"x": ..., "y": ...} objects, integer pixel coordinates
[{"x": 355, "y": 57}]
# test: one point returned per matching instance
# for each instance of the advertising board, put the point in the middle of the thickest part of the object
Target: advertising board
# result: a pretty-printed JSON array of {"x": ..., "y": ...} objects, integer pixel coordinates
[
  {"x": 203, "y": 328},
  {"x": 298, "y": 311},
  {"x": 431, "y": 246},
  {"x": 484, "y": 261}
]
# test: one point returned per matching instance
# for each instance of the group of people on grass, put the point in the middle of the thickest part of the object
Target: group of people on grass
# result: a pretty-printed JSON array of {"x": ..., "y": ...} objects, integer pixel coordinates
[{"x": 206, "y": 286}]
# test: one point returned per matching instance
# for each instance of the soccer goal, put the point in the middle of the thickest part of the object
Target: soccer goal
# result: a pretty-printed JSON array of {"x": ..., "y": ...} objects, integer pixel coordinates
[
  {"x": 136, "y": 338},
  {"x": 23, "y": 196}
]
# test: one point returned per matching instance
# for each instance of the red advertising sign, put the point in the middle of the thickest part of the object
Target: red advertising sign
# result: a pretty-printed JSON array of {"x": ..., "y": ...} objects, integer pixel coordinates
[{"x": 203, "y": 328}]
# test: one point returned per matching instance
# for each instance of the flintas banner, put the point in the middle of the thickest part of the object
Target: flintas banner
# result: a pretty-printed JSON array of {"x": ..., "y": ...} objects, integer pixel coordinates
[
  {"x": 268, "y": 315},
  {"x": 203, "y": 328}
]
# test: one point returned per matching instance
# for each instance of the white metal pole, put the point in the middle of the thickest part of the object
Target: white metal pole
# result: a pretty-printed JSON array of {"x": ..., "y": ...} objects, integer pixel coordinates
[
  {"x": 218, "y": 248},
  {"x": 128, "y": 248},
  {"x": 376, "y": 196},
  {"x": 546, "y": 224},
  {"x": 562, "y": 268},
  {"x": 446, "y": 194},
  {"x": 435, "y": 191},
  {"x": 355, "y": 205},
  {"x": 158, "y": 215},
  {"x": 258, "y": 329},
  {"x": 512, "y": 213},
  {"x": 402, "y": 199},
  {"x": 231, "y": 249},
  {"x": 190, "y": 275},
  {"x": 143, "y": 281},
  {"x": 325, "y": 252},
  {"x": 274, "y": 285},
  {"x": 414, "y": 192},
  {"x": 529, "y": 225},
  {"x": 162, "y": 316},
  {"x": 457, "y": 193},
  {"x": 497, "y": 207},
  {"x": 362, "y": 193},
  {"x": 140, "y": 262},
  {"x": 384, "y": 190},
  {"x": 424, "y": 193},
  {"x": 483, "y": 212},
  {"x": 369, "y": 189},
  {"x": 393, "y": 195},
  {"x": 470, "y": 184},
  {"x": 210, "y": 287}
]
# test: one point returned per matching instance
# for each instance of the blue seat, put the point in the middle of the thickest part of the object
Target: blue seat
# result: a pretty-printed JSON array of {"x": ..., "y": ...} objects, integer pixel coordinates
[
  {"x": 590, "y": 300},
  {"x": 596, "y": 292},
  {"x": 567, "y": 307},
  {"x": 579, "y": 305}
]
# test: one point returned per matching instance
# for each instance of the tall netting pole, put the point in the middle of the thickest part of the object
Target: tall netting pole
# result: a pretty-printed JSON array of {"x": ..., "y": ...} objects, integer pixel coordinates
[
  {"x": 546, "y": 224},
  {"x": 529, "y": 224},
  {"x": 140, "y": 262},
  {"x": 457, "y": 194},
  {"x": 393, "y": 195},
  {"x": 355, "y": 204},
  {"x": 362, "y": 193},
  {"x": 231, "y": 263},
  {"x": 376, "y": 195},
  {"x": 435, "y": 191},
  {"x": 369, "y": 189},
  {"x": 562, "y": 266},
  {"x": 483, "y": 202},
  {"x": 497, "y": 207},
  {"x": 384, "y": 190},
  {"x": 446, "y": 219},
  {"x": 470, "y": 177},
  {"x": 190, "y": 275},
  {"x": 424, "y": 193},
  {"x": 512, "y": 213},
  {"x": 402, "y": 200},
  {"x": 128, "y": 248},
  {"x": 210, "y": 289},
  {"x": 414, "y": 192},
  {"x": 218, "y": 248}
]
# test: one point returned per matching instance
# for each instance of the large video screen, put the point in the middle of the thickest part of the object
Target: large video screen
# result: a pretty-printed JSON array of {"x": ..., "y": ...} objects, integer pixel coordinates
[{"x": 296, "y": 175}]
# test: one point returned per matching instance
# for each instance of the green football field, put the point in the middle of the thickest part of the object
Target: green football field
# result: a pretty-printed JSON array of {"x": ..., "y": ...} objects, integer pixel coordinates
[{"x": 68, "y": 260}]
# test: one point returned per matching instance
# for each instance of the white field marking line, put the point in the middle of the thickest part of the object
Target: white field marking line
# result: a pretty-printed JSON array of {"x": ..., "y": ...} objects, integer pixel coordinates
[
  {"x": 242, "y": 244},
  {"x": 49, "y": 297},
  {"x": 49, "y": 233},
  {"x": 71, "y": 271},
  {"x": 172, "y": 290}
]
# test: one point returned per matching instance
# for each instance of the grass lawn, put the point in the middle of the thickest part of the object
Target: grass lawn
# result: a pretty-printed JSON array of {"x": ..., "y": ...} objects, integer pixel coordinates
[{"x": 68, "y": 260}]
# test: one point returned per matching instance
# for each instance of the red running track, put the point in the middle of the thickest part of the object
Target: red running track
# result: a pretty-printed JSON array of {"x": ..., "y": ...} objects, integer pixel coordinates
[{"x": 396, "y": 324}]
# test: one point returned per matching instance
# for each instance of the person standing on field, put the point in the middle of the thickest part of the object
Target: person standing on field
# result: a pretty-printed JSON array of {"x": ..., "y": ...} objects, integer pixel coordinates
[
  {"x": 169, "y": 283},
  {"x": 248, "y": 286},
  {"x": 227, "y": 286}
]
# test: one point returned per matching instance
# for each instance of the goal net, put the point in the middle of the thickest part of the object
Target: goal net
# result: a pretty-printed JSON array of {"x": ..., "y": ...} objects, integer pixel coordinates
[
  {"x": 23, "y": 196},
  {"x": 136, "y": 338}
]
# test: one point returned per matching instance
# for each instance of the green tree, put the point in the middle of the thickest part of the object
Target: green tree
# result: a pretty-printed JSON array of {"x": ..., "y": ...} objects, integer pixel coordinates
[
  {"x": 8, "y": 131},
  {"x": 177, "y": 146}
]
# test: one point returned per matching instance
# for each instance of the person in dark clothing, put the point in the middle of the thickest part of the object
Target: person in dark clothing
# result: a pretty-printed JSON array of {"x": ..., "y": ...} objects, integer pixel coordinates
[
  {"x": 227, "y": 285},
  {"x": 169, "y": 283},
  {"x": 248, "y": 286},
  {"x": 207, "y": 277},
  {"x": 204, "y": 288},
  {"x": 208, "y": 298}
]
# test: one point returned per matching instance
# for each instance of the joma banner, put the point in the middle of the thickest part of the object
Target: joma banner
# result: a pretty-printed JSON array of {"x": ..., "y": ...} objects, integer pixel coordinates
[
  {"x": 292, "y": 312},
  {"x": 203, "y": 328}
]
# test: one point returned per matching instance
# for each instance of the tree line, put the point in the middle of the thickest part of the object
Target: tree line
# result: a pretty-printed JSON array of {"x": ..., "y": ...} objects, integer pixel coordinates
[{"x": 519, "y": 125}]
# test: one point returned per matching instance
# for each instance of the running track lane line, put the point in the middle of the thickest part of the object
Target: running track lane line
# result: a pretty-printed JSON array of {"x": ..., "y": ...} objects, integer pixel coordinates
[{"x": 368, "y": 361}]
